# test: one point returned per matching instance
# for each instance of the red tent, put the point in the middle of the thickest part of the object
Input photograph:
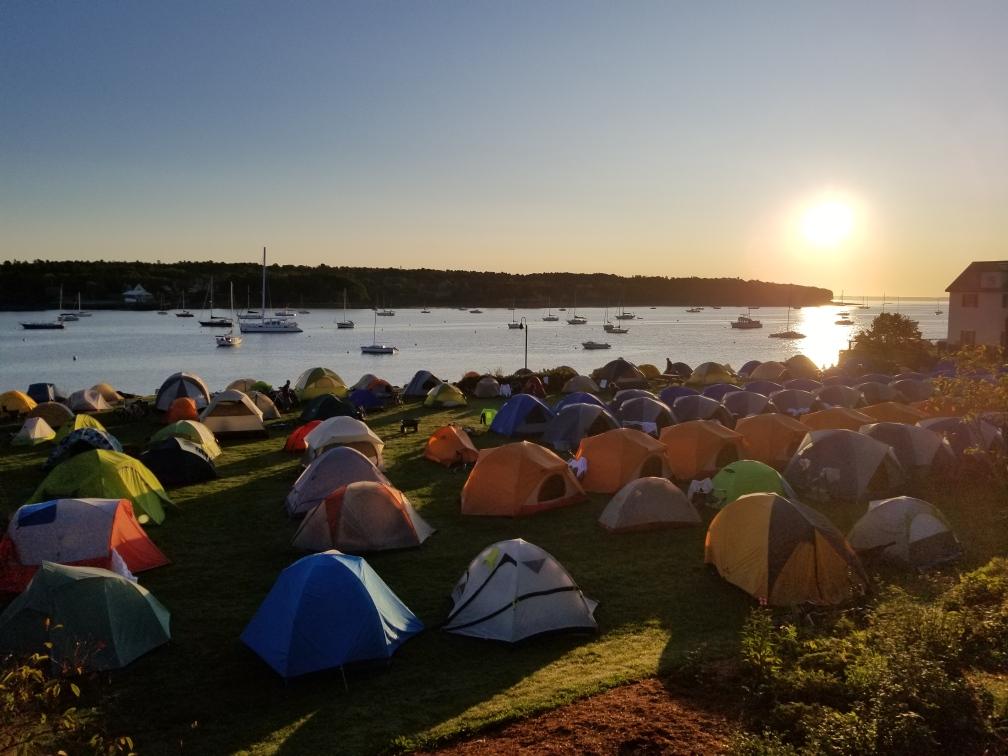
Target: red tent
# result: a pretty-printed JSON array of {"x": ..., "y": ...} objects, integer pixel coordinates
[{"x": 296, "y": 440}]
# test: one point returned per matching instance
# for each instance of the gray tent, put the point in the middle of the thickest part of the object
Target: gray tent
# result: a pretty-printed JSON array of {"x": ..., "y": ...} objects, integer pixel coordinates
[
  {"x": 626, "y": 395},
  {"x": 647, "y": 504},
  {"x": 843, "y": 465},
  {"x": 687, "y": 408},
  {"x": 182, "y": 385},
  {"x": 745, "y": 403},
  {"x": 964, "y": 435},
  {"x": 645, "y": 414},
  {"x": 486, "y": 388},
  {"x": 875, "y": 392},
  {"x": 914, "y": 390},
  {"x": 794, "y": 402},
  {"x": 336, "y": 467},
  {"x": 422, "y": 382},
  {"x": 575, "y": 422},
  {"x": 906, "y": 531},
  {"x": 840, "y": 396},
  {"x": 919, "y": 450}
]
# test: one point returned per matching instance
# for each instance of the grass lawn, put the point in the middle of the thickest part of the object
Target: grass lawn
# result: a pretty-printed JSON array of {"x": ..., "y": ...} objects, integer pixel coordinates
[{"x": 228, "y": 539}]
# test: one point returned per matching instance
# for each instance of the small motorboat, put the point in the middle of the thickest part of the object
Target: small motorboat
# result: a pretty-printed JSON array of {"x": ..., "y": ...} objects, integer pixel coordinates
[
  {"x": 694, "y": 309},
  {"x": 746, "y": 323},
  {"x": 285, "y": 313},
  {"x": 614, "y": 328},
  {"x": 476, "y": 311},
  {"x": 43, "y": 325},
  {"x": 595, "y": 345},
  {"x": 229, "y": 340}
]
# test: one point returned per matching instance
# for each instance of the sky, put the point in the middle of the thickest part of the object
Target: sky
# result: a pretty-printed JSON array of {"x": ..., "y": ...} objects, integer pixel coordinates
[{"x": 655, "y": 138}]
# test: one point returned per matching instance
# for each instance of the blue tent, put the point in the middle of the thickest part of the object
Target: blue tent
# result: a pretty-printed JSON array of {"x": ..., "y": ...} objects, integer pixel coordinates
[
  {"x": 763, "y": 387},
  {"x": 578, "y": 397},
  {"x": 327, "y": 610},
  {"x": 803, "y": 384},
  {"x": 522, "y": 415},
  {"x": 749, "y": 367},
  {"x": 718, "y": 391},
  {"x": 46, "y": 392},
  {"x": 364, "y": 399},
  {"x": 670, "y": 394}
]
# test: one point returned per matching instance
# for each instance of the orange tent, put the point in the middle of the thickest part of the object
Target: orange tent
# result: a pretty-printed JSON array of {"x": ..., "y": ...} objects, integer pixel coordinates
[
  {"x": 772, "y": 438},
  {"x": 699, "y": 448},
  {"x": 182, "y": 408},
  {"x": 296, "y": 440},
  {"x": 837, "y": 418},
  {"x": 449, "y": 446},
  {"x": 519, "y": 479},
  {"x": 618, "y": 456},
  {"x": 894, "y": 412}
]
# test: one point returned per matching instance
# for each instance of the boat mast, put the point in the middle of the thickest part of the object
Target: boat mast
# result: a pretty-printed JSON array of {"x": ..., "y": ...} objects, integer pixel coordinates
[{"x": 262, "y": 313}]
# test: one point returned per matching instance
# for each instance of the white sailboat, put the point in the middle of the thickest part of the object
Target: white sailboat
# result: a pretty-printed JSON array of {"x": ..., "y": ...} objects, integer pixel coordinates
[
  {"x": 78, "y": 313},
  {"x": 268, "y": 325},
  {"x": 230, "y": 339},
  {"x": 374, "y": 347},
  {"x": 788, "y": 333},
  {"x": 183, "y": 313},
  {"x": 514, "y": 324},
  {"x": 549, "y": 317},
  {"x": 346, "y": 322},
  {"x": 215, "y": 321},
  {"x": 65, "y": 317}
]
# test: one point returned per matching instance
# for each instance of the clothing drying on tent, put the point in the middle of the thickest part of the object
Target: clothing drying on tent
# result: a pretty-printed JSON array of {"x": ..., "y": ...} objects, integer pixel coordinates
[
  {"x": 837, "y": 417},
  {"x": 295, "y": 443},
  {"x": 345, "y": 431},
  {"x": 104, "y": 474},
  {"x": 522, "y": 415},
  {"x": 87, "y": 400},
  {"x": 771, "y": 439},
  {"x": 317, "y": 381},
  {"x": 794, "y": 402},
  {"x": 182, "y": 385},
  {"x": 514, "y": 590},
  {"x": 769, "y": 371},
  {"x": 16, "y": 403},
  {"x": 33, "y": 432},
  {"x": 265, "y": 404},
  {"x": 745, "y": 404},
  {"x": 580, "y": 383},
  {"x": 46, "y": 392},
  {"x": 843, "y": 465},
  {"x": 178, "y": 462},
  {"x": 839, "y": 396},
  {"x": 800, "y": 366},
  {"x": 618, "y": 456},
  {"x": 78, "y": 422},
  {"x": 328, "y": 405},
  {"x": 575, "y": 422},
  {"x": 80, "y": 441},
  {"x": 422, "y": 382},
  {"x": 894, "y": 412},
  {"x": 578, "y": 397},
  {"x": 190, "y": 430},
  {"x": 83, "y": 532},
  {"x": 920, "y": 452},
  {"x": 519, "y": 479},
  {"x": 645, "y": 414},
  {"x": 450, "y": 446},
  {"x": 84, "y": 613},
  {"x": 334, "y": 468},
  {"x": 232, "y": 412},
  {"x": 699, "y": 448},
  {"x": 445, "y": 395},
  {"x": 620, "y": 372},
  {"x": 783, "y": 553},
  {"x": 745, "y": 477},
  {"x": 687, "y": 408},
  {"x": 648, "y": 504},
  {"x": 362, "y": 517},
  {"x": 486, "y": 387},
  {"x": 57, "y": 415},
  {"x": 905, "y": 531},
  {"x": 876, "y": 393},
  {"x": 181, "y": 409},
  {"x": 709, "y": 373},
  {"x": 325, "y": 611},
  {"x": 719, "y": 391}
]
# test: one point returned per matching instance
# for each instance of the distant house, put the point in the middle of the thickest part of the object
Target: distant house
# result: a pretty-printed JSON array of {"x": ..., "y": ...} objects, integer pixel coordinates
[
  {"x": 137, "y": 295},
  {"x": 978, "y": 305}
]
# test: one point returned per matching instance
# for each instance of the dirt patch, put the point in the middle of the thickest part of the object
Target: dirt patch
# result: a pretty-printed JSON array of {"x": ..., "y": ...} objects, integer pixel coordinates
[{"x": 643, "y": 717}]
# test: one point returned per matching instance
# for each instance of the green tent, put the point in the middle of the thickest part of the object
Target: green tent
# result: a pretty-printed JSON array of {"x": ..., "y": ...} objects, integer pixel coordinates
[
  {"x": 78, "y": 422},
  {"x": 102, "y": 474},
  {"x": 445, "y": 395},
  {"x": 745, "y": 477},
  {"x": 190, "y": 430},
  {"x": 91, "y": 616}
]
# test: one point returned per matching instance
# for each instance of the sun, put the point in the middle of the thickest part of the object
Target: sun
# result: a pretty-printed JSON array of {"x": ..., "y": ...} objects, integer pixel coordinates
[{"x": 828, "y": 223}]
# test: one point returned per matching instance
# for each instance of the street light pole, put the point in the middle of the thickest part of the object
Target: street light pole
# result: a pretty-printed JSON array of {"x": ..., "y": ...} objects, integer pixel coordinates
[{"x": 523, "y": 324}]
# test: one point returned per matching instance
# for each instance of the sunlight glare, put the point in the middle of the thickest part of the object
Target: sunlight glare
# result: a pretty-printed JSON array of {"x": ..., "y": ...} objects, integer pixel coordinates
[{"x": 827, "y": 223}]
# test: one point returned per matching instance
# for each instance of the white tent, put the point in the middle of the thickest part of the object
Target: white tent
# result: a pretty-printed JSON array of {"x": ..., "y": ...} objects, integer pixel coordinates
[
  {"x": 232, "y": 412},
  {"x": 87, "y": 400},
  {"x": 514, "y": 590},
  {"x": 905, "y": 530},
  {"x": 345, "y": 431},
  {"x": 34, "y": 431}
]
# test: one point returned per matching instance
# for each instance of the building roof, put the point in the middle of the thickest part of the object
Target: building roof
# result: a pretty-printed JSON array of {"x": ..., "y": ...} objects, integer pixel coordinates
[{"x": 973, "y": 279}]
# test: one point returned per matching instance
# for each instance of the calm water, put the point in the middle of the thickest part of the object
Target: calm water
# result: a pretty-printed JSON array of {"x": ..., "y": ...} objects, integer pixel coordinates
[{"x": 135, "y": 351}]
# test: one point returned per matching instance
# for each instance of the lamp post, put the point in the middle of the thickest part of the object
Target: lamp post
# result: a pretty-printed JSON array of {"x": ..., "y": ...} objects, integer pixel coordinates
[{"x": 523, "y": 324}]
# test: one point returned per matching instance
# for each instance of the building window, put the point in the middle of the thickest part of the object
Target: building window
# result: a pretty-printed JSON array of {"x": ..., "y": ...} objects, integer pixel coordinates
[
  {"x": 969, "y": 299},
  {"x": 967, "y": 338}
]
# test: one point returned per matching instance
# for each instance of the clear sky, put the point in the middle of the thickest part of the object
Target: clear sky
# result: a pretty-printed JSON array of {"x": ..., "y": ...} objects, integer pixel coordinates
[{"x": 675, "y": 138}]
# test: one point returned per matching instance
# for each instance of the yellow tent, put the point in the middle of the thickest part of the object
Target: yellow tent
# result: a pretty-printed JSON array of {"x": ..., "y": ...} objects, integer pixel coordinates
[{"x": 16, "y": 402}]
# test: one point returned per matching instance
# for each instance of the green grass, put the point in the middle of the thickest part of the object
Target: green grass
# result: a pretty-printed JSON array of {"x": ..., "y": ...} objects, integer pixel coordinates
[{"x": 228, "y": 539}]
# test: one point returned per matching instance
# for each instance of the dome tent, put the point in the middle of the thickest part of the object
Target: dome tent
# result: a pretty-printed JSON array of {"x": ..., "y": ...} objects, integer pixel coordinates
[
  {"x": 768, "y": 371},
  {"x": 87, "y": 400},
  {"x": 522, "y": 415},
  {"x": 232, "y": 412},
  {"x": 445, "y": 395},
  {"x": 57, "y": 415},
  {"x": 325, "y": 611},
  {"x": 46, "y": 392},
  {"x": 578, "y": 397},
  {"x": 190, "y": 430},
  {"x": 836, "y": 417},
  {"x": 618, "y": 371},
  {"x": 486, "y": 387},
  {"x": 575, "y": 422},
  {"x": 618, "y": 456},
  {"x": 334, "y": 468},
  {"x": 514, "y": 590},
  {"x": 295, "y": 443},
  {"x": 709, "y": 373},
  {"x": 669, "y": 394},
  {"x": 181, "y": 385},
  {"x": 839, "y": 396},
  {"x": 906, "y": 531},
  {"x": 645, "y": 414},
  {"x": 16, "y": 403},
  {"x": 33, "y": 432},
  {"x": 581, "y": 383},
  {"x": 519, "y": 479},
  {"x": 771, "y": 439},
  {"x": 719, "y": 391},
  {"x": 421, "y": 382},
  {"x": 79, "y": 441},
  {"x": 648, "y": 504},
  {"x": 328, "y": 405},
  {"x": 181, "y": 409},
  {"x": 763, "y": 387},
  {"x": 345, "y": 431},
  {"x": 625, "y": 395},
  {"x": 919, "y": 450},
  {"x": 745, "y": 477},
  {"x": 78, "y": 422},
  {"x": 800, "y": 366},
  {"x": 265, "y": 405},
  {"x": 699, "y": 448},
  {"x": 687, "y": 408},
  {"x": 894, "y": 412},
  {"x": 843, "y": 465},
  {"x": 179, "y": 462},
  {"x": 745, "y": 404},
  {"x": 794, "y": 402},
  {"x": 450, "y": 445},
  {"x": 317, "y": 381}
]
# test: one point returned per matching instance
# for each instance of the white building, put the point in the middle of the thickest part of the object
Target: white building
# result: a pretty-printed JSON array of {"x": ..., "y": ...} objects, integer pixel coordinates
[
  {"x": 137, "y": 295},
  {"x": 978, "y": 305}
]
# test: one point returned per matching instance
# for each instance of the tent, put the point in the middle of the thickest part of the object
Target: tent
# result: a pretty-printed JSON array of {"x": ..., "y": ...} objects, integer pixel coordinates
[
  {"x": 580, "y": 383},
  {"x": 836, "y": 417},
  {"x": 445, "y": 395},
  {"x": 803, "y": 384},
  {"x": 104, "y": 474},
  {"x": 875, "y": 392},
  {"x": 772, "y": 438},
  {"x": 746, "y": 370},
  {"x": 345, "y": 431},
  {"x": 295, "y": 443},
  {"x": 245, "y": 385},
  {"x": 782, "y": 553},
  {"x": 800, "y": 366},
  {"x": 84, "y": 532},
  {"x": 522, "y": 415},
  {"x": 232, "y": 412},
  {"x": 906, "y": 531},
  {"x": 16, "y": 403},
  {"x": 794, "y": 402},
  {"x": 687, "y": 408},
  {"x": 53, "y": 413},
  {"x": 33, "y": 432},
  {"x": 883, "y": 378},
  {"x": 618, "y": 371},
  {"x": 836, "y": 377},
  {"x": 920, "y": 451},
  {"x": 763, "y": 387},
  {"x": 178, "y": 462},
  {"x": 745, "y": 477},
  {"x": 486, "y": 387},
  {"x": 181, "y": 409},
  {"x": 649, "y": 370},
  {"x": 534, "y": 386},
  {"x": 914, "y": 390},
  {"x": 578, "y": 397},
  {"x": 699, "y": 448},
  {"x": 76, "y": 423},
  {"x": 648, "y": 504},
  {"x": 519, "y": 479},
  {"x": 80, "y": 441},
  {"x": 325, "y": 611},
  {"x": 328, "y": 405},
  {"x": 839, "y": 396},
  {"x": 514, "y": 590},
  {"x": 894, "y": 412},
  {"x": 670, "y": 393},
  {"x": 181, "y": 385},
  {"x": 84, "y": 613},
  {"x": 364, "y": 400},
  {"x": 449, "y": 446},
  {"x": 362, "y": 517},
  {"x": 190, "y": 430},
  {"x": 768, "y": 371},
  {"x": 719, "y": 391},
  {"x": 87, "y": 400},
  {"x": 108, "y": 393},
  {"x": 575, "y": 422},
  {"x": 677, "y": 369},
  {"x": 366, "y": 381},
  {"x": 745, "y": 404},
  {"x": 421, "y": 382},
  {"x": 46, "y": 392},
  {"x": 618, "y": 456},
  {"x": 644, "y": 414},
  {"x": 626, "y": 395},
  {"x": 843, "y": 465},
  {"x": 964, "y": 435},
  {"x": 316, "y": 381},
  {"x": 334, "y": 468},
  {"x": 265, "y": 404},
  {"x": 709, "y": 373}
]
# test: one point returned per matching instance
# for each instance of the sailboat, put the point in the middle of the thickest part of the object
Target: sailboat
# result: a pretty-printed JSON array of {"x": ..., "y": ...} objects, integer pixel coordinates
[
  {"x": 549, "y": 317},
  {"x": 788, "y": 334},
  {"x": 864, "y": 306},
  {"x": 230, "y": 339},
  {"x": 75, "y": 314},
  {"x": 346, "y": 322},
  {"x": 162, "y": 311},
  {"x": 938, "y": 309},
  {"x": 65, "y": 317},
  {"x": 184, "y": 313},
  {"x": 385, "y": 312},
  {"x": 425, "y": 311},
  {"x": 514, "y": 324},
  {"x": 576, "y": 319},
  {"x": 215, "y": 321},
  {"x": 262, "y": 324},
  {"x": 609, "y": 327},
  {"x": 374, "y": 347},
  {"x": 623, "y": 314}
]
